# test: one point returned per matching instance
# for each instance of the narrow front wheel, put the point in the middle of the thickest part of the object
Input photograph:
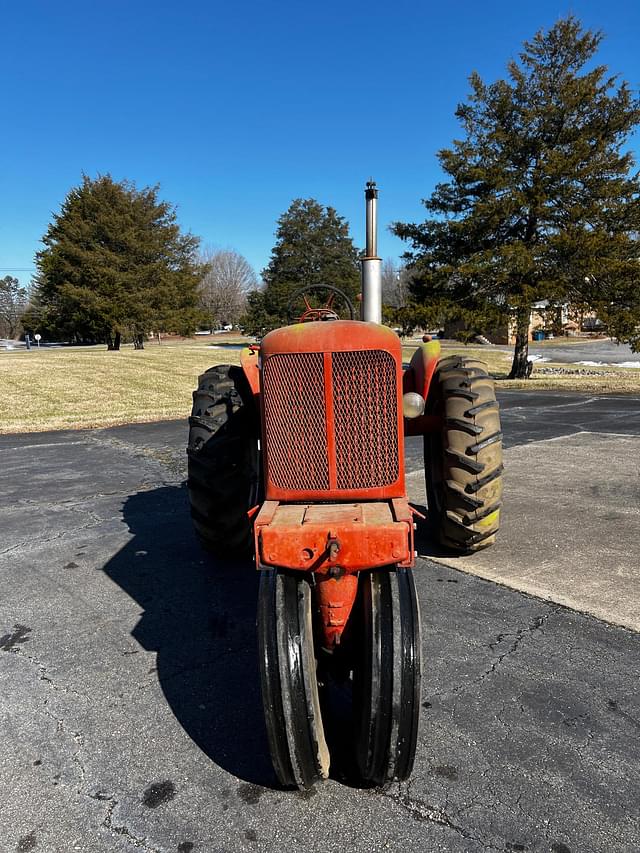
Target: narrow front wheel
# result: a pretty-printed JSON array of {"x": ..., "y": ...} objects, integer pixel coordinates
[
  {"x": 387, "y": 676},
  {"x": 289, "y": 683}
]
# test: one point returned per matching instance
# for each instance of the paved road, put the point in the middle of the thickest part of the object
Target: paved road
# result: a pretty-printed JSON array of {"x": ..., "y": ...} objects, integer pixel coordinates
[
  {"x": 129, "y": 708},
  {"x": 607, "y": 352},
  {"x": 528, "y": 418},
  {"x": 571, "y": 517}
]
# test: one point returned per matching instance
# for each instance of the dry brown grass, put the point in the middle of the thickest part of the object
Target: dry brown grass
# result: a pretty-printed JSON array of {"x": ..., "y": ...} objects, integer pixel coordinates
[
  {"x": 588, "y": 380},
  {"x": 609, "y": 380},
  {"x": 52, "y": 389},
  {"x": 497, "y": 361}
]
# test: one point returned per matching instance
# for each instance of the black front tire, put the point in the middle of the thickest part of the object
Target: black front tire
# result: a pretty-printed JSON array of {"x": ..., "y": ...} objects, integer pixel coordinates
[
  {"x": 288, "y": 672},
  {"x": 387, "y": 676}
]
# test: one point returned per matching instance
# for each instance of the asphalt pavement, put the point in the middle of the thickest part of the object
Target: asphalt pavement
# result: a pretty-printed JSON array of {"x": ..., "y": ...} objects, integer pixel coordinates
[
  {"x": 571, "y": 517},
  {"x": 130, "y": 713},
  {"x": 603, "y": 352},
  {"x": 586, "y": 351}
]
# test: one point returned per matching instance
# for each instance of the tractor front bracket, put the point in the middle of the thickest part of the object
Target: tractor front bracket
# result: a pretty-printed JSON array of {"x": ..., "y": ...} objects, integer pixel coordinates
[{"x": 334, "y": 542}]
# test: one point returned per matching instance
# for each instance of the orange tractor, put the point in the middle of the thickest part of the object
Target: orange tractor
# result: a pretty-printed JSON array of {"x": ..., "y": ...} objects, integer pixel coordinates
[{"x": 299, "y": 455}]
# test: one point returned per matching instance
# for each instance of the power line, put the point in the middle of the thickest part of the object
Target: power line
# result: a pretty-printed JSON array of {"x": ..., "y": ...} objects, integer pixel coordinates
[{"x": 18, "y": 269}]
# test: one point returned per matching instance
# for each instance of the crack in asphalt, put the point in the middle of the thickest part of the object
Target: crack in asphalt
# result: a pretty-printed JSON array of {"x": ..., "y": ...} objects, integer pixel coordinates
[
  {"x": 63, "y": 727},
  {"x": 78, "y": 737},
  {"x": 21, "y": 653},
  {"x": 423, "y": 812},
  {"x": 520, "y": 635},
  {"x": 37, "y": 541},
  {"x": 122, "y": 830},
  {"x": 535, "y": 625},
  {"x": 173, "y": 461}
]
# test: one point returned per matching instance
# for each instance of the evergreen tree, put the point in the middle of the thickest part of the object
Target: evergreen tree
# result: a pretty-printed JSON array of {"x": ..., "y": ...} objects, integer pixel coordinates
[
  {"x": 313, "y": 247},
  {"x": 542, "y": 200},
  {"x": 114, "y": 264}
]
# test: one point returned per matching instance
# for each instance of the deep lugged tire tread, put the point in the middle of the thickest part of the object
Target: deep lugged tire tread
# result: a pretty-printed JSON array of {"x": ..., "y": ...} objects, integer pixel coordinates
[
  {"x": 222, "y": 460},
  {"x": 464, "y": 484}
]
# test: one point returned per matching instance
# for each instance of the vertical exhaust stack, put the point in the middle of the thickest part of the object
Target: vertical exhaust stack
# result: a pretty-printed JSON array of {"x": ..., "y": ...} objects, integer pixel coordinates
[{"x": 371, "y": 263}]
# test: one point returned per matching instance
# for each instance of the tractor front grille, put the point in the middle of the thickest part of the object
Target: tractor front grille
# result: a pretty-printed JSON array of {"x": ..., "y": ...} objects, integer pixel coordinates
[
  {"x": 296, "y": 432},
  {"x": 298, "y": 436},
  {"x": 366, "y": 418}
]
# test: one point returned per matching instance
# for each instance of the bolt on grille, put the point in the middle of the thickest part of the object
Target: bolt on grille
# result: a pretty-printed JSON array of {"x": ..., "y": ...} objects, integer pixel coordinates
[
  {"x": 365, "y": 407},
  {"x": 296, "y": 435}
]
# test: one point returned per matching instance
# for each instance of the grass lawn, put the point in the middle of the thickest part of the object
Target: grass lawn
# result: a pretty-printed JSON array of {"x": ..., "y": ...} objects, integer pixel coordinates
[
  {"x": 50, "y": 389},
  {"x": 546, "y": 376}
]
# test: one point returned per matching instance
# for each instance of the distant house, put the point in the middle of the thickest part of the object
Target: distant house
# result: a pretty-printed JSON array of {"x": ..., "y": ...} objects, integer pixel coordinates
[{"x": 545, "y": 317}]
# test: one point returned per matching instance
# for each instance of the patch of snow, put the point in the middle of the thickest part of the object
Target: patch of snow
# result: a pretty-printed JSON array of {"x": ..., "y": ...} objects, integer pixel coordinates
[
  {"x": 635, "y": 364},
  {"x": 538, "y": 358}
]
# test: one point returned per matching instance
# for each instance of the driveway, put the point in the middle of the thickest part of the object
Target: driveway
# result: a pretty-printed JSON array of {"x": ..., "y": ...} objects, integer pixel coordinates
[
  {"x": 571, "y": 523},
  {"x": 591, "y": 352},
  {"x": 129, "y": 704}
]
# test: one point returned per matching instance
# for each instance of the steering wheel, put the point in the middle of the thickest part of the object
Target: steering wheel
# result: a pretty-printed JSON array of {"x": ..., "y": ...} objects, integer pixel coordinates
[{"x": 321, "y": 312}]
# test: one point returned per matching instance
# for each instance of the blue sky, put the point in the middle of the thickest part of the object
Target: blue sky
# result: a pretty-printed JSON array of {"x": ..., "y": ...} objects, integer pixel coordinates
[{"x": 236, "y": 109}]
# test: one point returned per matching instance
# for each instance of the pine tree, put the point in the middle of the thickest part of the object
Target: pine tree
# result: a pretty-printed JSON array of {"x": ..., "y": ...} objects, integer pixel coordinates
[
  {"x": 114, "y": 264},
  {"x": 313, "y": 247},
  {"x": 542, "y": 201}
]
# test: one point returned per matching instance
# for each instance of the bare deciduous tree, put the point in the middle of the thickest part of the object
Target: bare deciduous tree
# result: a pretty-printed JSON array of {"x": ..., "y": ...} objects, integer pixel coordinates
[
  {"x": 13, "y": 303},
  {"x": 395, "y": 284},
  {"x": 223, "y": 290}
]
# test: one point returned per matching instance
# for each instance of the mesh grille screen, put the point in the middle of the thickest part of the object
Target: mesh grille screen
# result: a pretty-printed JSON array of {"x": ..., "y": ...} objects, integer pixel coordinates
[
  {"x": 366, "y": 418},
  {"x": 296, "y": 437}
]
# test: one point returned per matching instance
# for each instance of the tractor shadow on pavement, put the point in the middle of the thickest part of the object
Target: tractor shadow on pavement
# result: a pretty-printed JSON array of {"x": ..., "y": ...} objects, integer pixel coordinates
[{"x": 199, "y": 617}]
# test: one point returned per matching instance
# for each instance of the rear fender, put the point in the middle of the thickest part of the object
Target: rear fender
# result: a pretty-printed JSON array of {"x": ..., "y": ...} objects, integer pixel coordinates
[{"x": 417, "y": 377}]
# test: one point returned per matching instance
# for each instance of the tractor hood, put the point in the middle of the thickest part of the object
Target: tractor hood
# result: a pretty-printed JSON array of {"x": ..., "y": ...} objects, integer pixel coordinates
[{"x": 331, "y": 336}]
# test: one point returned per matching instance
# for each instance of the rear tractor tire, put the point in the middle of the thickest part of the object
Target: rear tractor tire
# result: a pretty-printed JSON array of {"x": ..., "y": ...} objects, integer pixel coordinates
[
  {"x": 463, "y": 461},
  {"x": 223, "y": 460}
]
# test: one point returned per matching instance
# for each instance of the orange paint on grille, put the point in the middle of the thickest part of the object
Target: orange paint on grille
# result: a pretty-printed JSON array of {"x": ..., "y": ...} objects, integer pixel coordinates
[
  {"x": 295, "y": 429},
  {"x": 365, "y": 414},
  {"x": 366, "y": 418}
]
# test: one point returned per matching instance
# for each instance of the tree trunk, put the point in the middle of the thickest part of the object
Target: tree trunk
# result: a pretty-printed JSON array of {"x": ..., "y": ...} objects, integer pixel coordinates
[
  {"x": 113, "y": 341},
  {"x": 138, "y": 342},
  {"x": 521, "y": 367}
]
